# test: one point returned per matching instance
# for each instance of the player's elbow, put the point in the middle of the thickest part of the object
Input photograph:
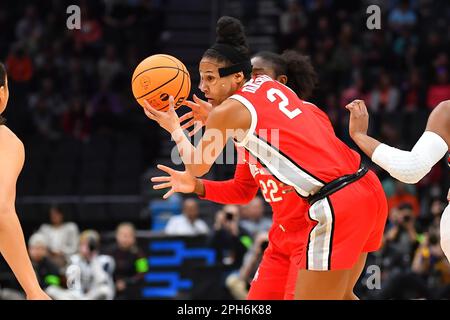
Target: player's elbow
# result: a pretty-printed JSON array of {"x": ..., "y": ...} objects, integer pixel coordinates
[{"x": 411, "y": 176}]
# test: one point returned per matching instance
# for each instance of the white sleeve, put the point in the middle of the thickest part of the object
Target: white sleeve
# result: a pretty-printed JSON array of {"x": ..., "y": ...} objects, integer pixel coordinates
[{"x": 411, "y": 166}]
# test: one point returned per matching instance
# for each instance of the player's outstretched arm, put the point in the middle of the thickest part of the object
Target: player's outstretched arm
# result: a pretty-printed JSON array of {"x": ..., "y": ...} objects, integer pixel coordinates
[
  {"x": 406, "y": 166},
  {"x": 12, "y": 242}
]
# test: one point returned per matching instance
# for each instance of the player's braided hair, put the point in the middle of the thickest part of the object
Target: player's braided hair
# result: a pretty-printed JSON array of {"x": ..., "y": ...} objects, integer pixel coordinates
[
  {"x": 231, "y": 45},
  {"x": 2, "y": 83},
  {"x": 298, "y": 68}
]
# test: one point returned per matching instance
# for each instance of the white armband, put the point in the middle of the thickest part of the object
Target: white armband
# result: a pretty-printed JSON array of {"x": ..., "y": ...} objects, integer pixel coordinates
[{"x": 411, "y": 166}]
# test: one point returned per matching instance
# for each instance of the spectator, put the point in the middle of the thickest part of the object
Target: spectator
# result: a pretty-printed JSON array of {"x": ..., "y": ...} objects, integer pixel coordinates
[
  {"x": 253, "y": 220},
  {"x": 62, "y": 237},
  {"x": 238, "y": 283},
  {"x": 402, "y": 16},
  {"x": 89, "y": 275},
  {"x": 131, "y": 263},
  {"x": 46, "y": 271},
  {"x": 403, "y": 196},
  {"x": 439, "y": 91},
  {"x": 229, "y": 239},
  {"x": 188, "y": 222},
  {"x": 19, "y": 65}
]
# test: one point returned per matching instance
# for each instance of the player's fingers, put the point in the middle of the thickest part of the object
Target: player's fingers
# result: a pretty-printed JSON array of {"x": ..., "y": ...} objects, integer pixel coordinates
[
  {"x": 165, "y": 169},
  {"x": 197, "y": 99},
  {"x": 162, "y": 185},
  {"x": 186, "y": 116},
  {"x": 192, "y": 105},
  {"x": 169, "y": 193},
  {"x": 160, "y": 179},
  {"x": 150, "y": 115},
  {"x": 187, "y": 124},
  {"x": 197, "y": 127},
  {"x": 150, "y": 109}
]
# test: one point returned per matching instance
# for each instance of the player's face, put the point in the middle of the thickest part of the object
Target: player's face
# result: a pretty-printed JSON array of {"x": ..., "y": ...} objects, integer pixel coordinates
[
  {"x": 264, "y": 67},
  {"x": 215, "y": 88},
  {"x": 4, "y": 96}
]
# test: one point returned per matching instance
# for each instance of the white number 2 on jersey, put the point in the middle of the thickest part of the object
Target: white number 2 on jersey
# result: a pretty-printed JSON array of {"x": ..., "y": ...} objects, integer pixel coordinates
[
  {"x": 272, "y": 96},
  {"x": 282, "y": 105}
]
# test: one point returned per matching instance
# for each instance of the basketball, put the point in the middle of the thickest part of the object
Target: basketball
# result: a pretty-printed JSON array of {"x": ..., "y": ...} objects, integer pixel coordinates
[{"x": 157, "y": 78}]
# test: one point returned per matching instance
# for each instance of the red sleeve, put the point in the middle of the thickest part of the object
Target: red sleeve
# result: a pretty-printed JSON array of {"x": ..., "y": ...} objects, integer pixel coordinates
[{"x": 239, "y": 190}]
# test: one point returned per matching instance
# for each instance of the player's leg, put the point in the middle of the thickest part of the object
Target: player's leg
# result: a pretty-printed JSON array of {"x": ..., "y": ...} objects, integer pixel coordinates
[
  {"x": 322, "y": 285},
  {"x": 341, "y": 225},
  {"x": 270, "y": 279},
  {"x": 355, "y": 273}
]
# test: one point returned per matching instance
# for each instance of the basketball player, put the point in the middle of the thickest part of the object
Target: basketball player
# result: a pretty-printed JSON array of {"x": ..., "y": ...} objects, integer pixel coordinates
[
  {"x": 276, "y": 274},
  {"x": 12, "y": 243},
  {"x": 408, "y": 166},
  {"x": 294, "y": 141}
]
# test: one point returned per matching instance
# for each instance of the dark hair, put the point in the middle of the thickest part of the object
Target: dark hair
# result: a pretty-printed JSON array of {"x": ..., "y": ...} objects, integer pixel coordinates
[
  {"x": 2, "y": 83},
  {"x": 302, "y": 77},
  {"x": 230, "y": 31}
]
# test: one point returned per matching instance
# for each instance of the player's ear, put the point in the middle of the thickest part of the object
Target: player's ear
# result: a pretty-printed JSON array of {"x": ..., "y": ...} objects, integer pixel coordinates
[
  {"x": 239, "y": 77},
  {"x": 283, "y": 79}
]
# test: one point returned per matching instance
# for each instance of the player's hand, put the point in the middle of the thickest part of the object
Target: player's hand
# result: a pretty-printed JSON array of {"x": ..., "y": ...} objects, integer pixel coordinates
[
  {"x": 359, "y": 118},
  {"x": 168, "y": 120},
  {"x": 177, "y": 181},
  {"x": 197, "y": 117}
]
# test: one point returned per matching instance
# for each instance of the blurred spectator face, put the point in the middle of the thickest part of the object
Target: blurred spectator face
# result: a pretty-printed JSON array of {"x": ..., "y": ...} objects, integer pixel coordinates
[
  {"x": 405, "y": 214},
  {"x": 37, "y": 252},
  {"x": 4, "y": 95},
  {"x": 125, "y": 236},
  {"x": 56, "y": 216},
  {"x": 190, "y": 209},
  {"x": 37, "y": 247},
  {"x": 255, "y": 209},
  {"x": 89, "y": 241}
]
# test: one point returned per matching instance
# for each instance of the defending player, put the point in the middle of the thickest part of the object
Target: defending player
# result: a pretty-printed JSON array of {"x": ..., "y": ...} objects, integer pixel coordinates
[
  {"x": 408, "y": 166},
  {"x": 12, "y": 243}
]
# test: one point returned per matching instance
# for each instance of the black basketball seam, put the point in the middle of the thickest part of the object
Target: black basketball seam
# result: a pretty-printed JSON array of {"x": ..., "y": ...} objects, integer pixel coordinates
[
  {"x": 160, "y": 85},
  {"x": 160, "y": 67},
  {"x": 166, "y": 106},
  {"x": 163, "y": 56}
]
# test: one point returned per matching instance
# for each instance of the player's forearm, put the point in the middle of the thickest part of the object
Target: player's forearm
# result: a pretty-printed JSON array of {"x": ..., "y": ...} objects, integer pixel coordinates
[
  {"x": 190, "y": 156},
  {"x": 228, "y": 192},
  {"x": 366, "y": 143},
  {"x": 13, "y": 249}
]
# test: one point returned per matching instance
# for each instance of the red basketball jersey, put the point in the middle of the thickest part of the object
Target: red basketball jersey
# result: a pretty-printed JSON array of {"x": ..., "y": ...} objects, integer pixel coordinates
[{"x": 293, "y": 139}]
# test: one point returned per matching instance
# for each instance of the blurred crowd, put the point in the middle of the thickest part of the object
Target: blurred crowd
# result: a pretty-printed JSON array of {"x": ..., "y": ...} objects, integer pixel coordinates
[{"x": 76, "y": 83}]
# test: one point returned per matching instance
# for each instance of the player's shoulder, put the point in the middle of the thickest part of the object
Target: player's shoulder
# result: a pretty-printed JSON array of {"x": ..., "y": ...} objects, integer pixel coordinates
[
  {"x": 8, "y": 139},
  {"x": 443, "y": 109}
]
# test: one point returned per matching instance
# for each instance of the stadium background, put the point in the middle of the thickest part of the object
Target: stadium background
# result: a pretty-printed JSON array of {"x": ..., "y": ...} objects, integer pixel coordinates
[{"x": 91, "y": 150}]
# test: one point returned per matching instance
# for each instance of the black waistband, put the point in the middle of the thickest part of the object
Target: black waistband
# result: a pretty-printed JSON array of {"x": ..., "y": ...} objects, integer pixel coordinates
[{"x": 337, "y": 184}]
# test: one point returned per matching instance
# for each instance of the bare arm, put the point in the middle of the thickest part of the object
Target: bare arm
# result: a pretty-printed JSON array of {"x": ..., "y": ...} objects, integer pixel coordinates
[
  {"x": 406, "y": 166},
  {"x": 12, "y": 242},
  {"x": 358, "y": 126}
]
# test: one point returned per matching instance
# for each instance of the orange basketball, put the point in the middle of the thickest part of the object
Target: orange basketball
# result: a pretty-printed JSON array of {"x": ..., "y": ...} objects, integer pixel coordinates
[{"x": 158, "y": 77}]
